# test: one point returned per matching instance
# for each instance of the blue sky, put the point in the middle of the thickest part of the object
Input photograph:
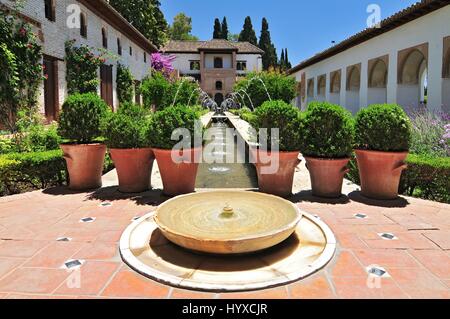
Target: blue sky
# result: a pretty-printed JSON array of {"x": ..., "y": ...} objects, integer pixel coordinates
[{"x": 304, "y": 27}]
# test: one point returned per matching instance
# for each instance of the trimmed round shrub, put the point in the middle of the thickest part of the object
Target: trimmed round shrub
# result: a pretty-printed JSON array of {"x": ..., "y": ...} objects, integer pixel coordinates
[
  {"x": 81, "y": 117},
  {"x": 163, "y": 123},
  {"x": 283, "y": 116},
  {"x": 127, "y": 128},
  {"x": 383, "y": 127},
  {"x": 328, "y": 131}
]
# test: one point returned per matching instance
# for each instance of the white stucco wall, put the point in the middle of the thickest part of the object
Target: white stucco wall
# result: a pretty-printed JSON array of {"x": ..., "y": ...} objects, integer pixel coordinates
[
  {"x": 430, "y": 29},
  {"x": 209, "y": 60},
  {"x": 254, "y": 62},
  {"x": 57, "y": 33},
  {"x": 182, "y": 62}
]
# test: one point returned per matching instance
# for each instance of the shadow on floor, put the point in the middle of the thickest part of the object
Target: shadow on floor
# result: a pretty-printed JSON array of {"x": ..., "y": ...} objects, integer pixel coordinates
[
  {"x": 307, "y": 196},
  {"x": 151, "y": 197},
  {"x": 400, "y": 202}
]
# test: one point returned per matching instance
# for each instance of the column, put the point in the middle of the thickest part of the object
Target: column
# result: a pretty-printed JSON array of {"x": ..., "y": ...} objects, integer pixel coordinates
[
  {"x": 364, "y": 83},
  {"x": 344, "y": 87},
  {"x": 435, "y": 58},
  {"x": 392, "y": 78}
]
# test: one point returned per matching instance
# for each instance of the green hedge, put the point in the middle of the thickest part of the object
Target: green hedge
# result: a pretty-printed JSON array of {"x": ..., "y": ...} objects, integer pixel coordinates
[
  {"x": 426, "y": 177},
  {"x": 21, "y": 172}
]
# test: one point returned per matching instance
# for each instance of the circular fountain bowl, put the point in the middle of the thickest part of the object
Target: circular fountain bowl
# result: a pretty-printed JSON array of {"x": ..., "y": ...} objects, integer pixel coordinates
[{"x": 227, "y": 222}]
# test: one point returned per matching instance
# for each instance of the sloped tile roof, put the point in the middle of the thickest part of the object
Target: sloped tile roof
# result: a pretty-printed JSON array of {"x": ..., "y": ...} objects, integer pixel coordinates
[{"x": 216, "y": 44}]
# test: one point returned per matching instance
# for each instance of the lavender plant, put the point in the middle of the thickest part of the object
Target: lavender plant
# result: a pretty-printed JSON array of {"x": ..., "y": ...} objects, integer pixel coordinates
[{"x": 430, "y": 134}]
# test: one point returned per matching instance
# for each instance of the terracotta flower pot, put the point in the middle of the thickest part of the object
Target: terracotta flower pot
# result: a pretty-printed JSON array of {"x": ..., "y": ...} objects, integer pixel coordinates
[
  {"x": 84, "y": 164},
  {"x": 134, "y": 168},
  {"x": 380, "y": 173},
  {"x": 178, "y": 178},
  {"x": 327, "y": 176},
  {"x": 280, "y": 180}
]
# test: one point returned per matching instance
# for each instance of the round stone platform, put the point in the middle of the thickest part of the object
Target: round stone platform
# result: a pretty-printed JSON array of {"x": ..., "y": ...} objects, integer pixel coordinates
[{"x": 147, "y": 251}]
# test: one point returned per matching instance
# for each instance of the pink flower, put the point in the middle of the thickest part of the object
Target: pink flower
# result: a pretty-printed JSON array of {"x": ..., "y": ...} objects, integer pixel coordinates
[{"x": 22, "y": 31}]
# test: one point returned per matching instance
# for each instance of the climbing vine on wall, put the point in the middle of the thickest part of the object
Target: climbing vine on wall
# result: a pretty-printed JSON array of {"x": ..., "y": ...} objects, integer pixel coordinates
[
  {"x": 82, "y": 68},
  {"x": 21, "y": 69},
  {"x": 124, "y": 84}
]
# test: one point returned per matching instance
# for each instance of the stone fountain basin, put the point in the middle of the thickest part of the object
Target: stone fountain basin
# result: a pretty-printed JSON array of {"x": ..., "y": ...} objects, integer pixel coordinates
[{"x": 227, "y": 222}]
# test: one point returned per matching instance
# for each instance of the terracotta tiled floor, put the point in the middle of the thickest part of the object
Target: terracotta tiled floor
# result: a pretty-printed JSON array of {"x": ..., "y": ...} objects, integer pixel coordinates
[{"x": 32, "y": 261}]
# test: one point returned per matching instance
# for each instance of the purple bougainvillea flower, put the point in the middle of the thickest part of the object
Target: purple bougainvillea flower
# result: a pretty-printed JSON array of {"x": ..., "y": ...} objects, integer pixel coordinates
[{"x": 162, "y": 63}]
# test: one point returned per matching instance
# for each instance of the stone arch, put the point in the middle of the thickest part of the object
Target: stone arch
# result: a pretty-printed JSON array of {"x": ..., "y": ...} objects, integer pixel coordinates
[
  {"x": 378, "y": 74},
  {"x": 354, "y": 77},
  {"x": 411, "y": 67},
  {"x": 335, "y": 84},
  {"x": 353, "y": 85},
  {"x": 447, "y": 65},
  {"x": 310, "y": 88},
  {"x": 321, "y": 85}
]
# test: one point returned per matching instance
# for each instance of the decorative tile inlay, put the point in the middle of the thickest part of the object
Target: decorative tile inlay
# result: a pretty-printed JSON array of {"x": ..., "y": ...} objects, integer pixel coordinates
[
  {"x": 377, "y": 271},
  {"x": 73, "y": 263},
  {"x": 360, "y": 216},
  {"x": 387, "y": 236},
  {"x": 105, "y": 204},
  {"x": 64, "y": 239},
  {"x": 87, "y": 220}
]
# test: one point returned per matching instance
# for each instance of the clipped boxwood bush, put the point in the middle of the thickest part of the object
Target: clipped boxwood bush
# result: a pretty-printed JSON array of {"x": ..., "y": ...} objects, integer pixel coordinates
[
  {"x": 163, "y": 123},
  {"x": 278, "y": 85},
  {"x": 283, "y": 116},
  {"x": 328, "y": 131},
  {"x": 127, "y": 128},
  {"x": 81, "y": 117},
  {"x": 383, "y": 127},
  {"x": 427, "y": 178},
  {"x": 124, "y": 80}
]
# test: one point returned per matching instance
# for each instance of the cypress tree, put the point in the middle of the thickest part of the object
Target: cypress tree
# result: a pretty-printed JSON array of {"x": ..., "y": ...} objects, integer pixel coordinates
[
  {"x": 217, "y": 29},
  {"x": 248, "y": 33},
  {"x": 286, "y": 57},
  {"x": 270, "y": 58},
  {"x": 282, "y": 61},
  {"x": 224, "y": 28}
]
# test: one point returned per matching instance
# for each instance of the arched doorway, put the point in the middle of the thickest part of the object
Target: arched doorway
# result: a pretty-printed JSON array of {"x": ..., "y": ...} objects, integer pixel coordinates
[
  {"x": 353, "y": 87},
  {"x": 413, "y": 75},
  {"x": 377, "y": 83},
  {"x": 321, "y": 87},
  {"x": 218, "y": 98},
  {"x": 335, "y": 87}
]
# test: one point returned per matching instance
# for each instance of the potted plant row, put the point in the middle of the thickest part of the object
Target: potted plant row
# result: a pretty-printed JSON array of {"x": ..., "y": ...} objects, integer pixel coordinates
[
  {"x": 276, "y": 168},
  {"x": 127, "y": 139},
  {"x": 383, "y": 135},
  {"x": 83, "y": 149},
  {"x": 177, "y": 159},
  {"x": 327, "y": 145}
]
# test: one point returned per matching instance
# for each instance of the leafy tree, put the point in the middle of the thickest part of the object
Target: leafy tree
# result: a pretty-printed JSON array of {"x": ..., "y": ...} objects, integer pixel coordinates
[
  {"x": 224, "y": 28},
  {"x": 217, "y": 29},
  {"x": 248, "y": 33},
  {"x": 181, "y": 28},
  {"x": 146, "y": 16},
  {"x": 233, "y": 37},
  {"x": 265, "y": 43}
]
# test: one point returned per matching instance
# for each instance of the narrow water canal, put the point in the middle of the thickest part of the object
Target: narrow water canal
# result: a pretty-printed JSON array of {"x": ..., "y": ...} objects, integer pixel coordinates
[{"x": 223, "y": 173}]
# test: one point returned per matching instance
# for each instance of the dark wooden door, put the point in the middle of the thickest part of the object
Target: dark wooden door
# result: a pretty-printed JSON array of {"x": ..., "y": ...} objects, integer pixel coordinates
[
  {"x": 106, "y": 87},
  {"x": 51, "y": 97}
]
